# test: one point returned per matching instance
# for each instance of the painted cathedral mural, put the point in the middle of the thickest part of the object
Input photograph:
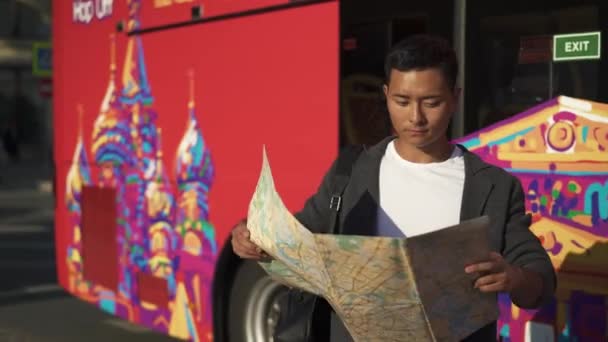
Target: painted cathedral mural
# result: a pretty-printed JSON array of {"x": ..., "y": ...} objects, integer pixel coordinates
[
  {"x": 164, "y": 232},
  {"x": 559, "y": 151}
]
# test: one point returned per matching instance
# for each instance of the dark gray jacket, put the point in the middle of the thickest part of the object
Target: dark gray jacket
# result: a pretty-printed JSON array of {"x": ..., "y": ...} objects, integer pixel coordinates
[{"x": 488, "y": 190}]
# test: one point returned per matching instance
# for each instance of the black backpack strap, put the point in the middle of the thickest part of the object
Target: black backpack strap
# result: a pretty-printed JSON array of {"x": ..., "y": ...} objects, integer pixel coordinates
[{"x": 344, "y": 166}]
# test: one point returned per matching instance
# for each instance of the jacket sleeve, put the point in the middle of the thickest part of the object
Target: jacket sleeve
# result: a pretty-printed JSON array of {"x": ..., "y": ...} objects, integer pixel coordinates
[
  {"x": 315, "y": 214},
  {"x": 522, "y": 248}
]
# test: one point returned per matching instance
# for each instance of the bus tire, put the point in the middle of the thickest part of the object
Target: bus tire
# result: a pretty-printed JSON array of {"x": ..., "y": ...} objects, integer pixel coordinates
[{"x": 253, "y": 305}]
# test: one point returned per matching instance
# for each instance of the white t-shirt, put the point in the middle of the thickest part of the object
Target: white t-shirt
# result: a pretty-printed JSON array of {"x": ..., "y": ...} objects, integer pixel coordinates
[{"x": 420, "y": 198}]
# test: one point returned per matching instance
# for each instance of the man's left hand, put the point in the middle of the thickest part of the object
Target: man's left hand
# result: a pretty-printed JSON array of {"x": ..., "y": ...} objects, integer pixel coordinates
[{"x": 497, "y": 275}]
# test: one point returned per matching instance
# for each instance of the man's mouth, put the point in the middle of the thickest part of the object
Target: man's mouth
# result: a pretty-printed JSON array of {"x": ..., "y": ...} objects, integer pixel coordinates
[{"x": 417, "y": 131}]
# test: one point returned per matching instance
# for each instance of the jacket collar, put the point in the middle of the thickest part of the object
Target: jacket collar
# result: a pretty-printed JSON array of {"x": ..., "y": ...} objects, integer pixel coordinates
[{"x": 477, "y": 186}]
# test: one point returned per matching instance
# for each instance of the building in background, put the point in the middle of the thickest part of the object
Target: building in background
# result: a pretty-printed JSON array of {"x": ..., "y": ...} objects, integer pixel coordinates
[{"x": 25, "y": 90}]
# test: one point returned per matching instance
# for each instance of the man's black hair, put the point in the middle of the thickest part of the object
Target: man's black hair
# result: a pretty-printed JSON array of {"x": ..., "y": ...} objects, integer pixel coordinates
[{"x": 421, "y": 52}]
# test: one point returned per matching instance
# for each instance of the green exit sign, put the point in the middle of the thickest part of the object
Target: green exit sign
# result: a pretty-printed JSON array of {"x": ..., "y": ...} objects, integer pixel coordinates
[{"x": 577, "y": 46}]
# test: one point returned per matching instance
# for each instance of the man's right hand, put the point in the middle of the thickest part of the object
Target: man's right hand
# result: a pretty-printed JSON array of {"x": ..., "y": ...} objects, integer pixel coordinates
[{"x": 242, "y": 245}]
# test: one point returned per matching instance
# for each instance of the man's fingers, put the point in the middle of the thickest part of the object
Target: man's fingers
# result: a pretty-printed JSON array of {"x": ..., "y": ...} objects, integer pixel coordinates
[
  {"x": 241, "y": 229},
  {"x": 237, "y": 245},
  {"x": 246, "y": 245},
  {"x": 250, "y": 256},
  {"x": 489, "y": 279},
  {"x": 246, "y": 249},
  {"x": 494, "y": 287},
  {"x": 241, "y": 234},
  {"x": 493, "y": 274},
  {"x": 245, "y": 252},
  {"x": 242, "y": 245},
  {"x": 486, "y": 266}
]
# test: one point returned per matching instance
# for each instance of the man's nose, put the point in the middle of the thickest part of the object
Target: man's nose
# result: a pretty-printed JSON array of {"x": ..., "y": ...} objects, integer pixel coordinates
[{"x": 417, "y": 115}]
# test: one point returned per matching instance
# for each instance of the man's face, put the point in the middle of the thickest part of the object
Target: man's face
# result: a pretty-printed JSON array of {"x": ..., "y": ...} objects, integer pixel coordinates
[{"x": 421, "y": 104}]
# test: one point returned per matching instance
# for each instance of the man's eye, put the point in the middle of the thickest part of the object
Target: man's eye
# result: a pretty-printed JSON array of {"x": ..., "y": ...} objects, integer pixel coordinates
[
  {"x": 402, "y": 103},
  {"x": 432, "y": 104}
]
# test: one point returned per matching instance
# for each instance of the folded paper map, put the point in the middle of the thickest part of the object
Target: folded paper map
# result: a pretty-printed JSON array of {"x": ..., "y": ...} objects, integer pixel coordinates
[{"x": 383, "y": 288}]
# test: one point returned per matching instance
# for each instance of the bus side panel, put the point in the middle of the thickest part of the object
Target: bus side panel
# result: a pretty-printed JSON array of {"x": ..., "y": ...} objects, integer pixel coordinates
[
  {"x": 167, "y": 12},
  {"x": 173, "y": 123}
]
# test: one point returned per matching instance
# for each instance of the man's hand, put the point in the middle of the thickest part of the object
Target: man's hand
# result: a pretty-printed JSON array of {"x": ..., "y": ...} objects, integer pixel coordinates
[
  {"x": 496, "y": 275},
  {"x": 242, "y": 245}
]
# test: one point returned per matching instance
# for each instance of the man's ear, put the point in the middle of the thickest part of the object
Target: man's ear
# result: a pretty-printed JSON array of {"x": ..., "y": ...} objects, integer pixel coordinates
[{"x": 385, "y": 90}]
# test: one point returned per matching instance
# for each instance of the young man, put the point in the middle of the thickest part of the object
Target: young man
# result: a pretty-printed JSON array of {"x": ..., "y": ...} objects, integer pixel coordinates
[{"x": 422, "y": 183}]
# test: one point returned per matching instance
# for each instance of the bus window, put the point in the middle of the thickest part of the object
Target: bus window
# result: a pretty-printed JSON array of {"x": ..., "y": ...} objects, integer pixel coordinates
[{"x": 509, "y": 63}]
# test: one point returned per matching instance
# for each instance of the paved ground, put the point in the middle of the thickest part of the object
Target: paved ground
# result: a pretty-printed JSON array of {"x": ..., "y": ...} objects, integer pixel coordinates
[
  {"x": 52, "y": 315},
  {"x": 32, "y": 307}
]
